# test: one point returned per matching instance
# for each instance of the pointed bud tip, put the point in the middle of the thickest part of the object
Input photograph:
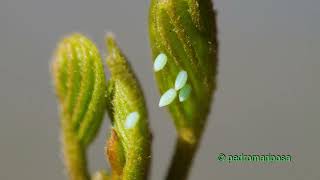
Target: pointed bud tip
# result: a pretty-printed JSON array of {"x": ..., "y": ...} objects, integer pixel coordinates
[{"x": 110, "y": 42}]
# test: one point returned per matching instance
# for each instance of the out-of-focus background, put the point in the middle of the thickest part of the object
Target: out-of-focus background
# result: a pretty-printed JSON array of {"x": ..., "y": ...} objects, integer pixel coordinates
[{"x": 267, "y": 99}]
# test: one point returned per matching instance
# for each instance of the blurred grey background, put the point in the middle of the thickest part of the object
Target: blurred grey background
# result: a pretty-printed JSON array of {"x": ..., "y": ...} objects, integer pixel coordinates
[{"x": 267, "y": 99}]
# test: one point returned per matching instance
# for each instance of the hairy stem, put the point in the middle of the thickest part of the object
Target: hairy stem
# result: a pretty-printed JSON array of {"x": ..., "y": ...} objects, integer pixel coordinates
[{"x": 74, "y": 154}]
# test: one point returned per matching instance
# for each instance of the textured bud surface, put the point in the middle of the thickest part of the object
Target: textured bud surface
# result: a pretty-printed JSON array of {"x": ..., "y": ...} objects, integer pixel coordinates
[
  {"x": 129, "y": 115},
  {"x": 185, "y": 30},
  {"x": 80, "y": 86}
]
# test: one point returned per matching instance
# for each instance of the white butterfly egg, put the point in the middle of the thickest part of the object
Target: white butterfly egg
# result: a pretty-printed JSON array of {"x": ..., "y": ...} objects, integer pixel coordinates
[
  {"x": 167, "y": 97},
  {"x": 184, "y": 93},
  {"x": 160, "y": 62},
  {"x": 131, "y": 120},
  {"x": 181, "y": 80}
]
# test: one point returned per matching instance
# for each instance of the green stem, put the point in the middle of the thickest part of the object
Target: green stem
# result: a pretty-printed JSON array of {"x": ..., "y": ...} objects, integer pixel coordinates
[
  {"x": 181, "y": 160},
  {"x": 74, "y": 154}
]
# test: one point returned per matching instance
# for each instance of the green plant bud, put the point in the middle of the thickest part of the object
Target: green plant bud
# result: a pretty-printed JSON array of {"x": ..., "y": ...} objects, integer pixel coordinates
[
  {"x": 80, "y": 85},
  {"x": 129, "y": 115},
  {"x": 185, "y": 31}
]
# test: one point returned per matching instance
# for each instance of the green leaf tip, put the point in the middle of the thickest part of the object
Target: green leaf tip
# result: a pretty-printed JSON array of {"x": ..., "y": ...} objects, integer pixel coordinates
[
  {"x": 185, "y": 31},
  {"x": 129, "y": 114},
  {"x": 80, "y": 86}
]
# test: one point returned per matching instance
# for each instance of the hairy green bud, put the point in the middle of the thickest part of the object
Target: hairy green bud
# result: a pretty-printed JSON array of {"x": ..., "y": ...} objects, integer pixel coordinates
[
  {"x": 128, "y": 112},
  {"x": 80, "y": 86},
  {"x": 185, "y": 31}
]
